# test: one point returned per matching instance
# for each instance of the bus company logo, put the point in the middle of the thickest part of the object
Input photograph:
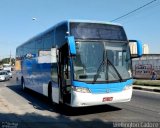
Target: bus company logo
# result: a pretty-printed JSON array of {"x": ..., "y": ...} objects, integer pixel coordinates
[
  {"x": 107, "y": 91},
  {"x": 29, "y": 56}
]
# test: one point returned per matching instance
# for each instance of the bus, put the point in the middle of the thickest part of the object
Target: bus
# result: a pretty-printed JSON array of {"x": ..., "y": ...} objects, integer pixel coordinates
[{"x": 78, "y": 63}]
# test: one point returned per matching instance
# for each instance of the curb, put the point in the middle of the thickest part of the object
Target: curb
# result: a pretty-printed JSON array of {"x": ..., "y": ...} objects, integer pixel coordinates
[{"x": 146, "y": 89}]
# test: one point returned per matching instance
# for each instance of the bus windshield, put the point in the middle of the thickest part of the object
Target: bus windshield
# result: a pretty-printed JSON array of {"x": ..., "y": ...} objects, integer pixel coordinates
[{"x": 91, "y": 61}]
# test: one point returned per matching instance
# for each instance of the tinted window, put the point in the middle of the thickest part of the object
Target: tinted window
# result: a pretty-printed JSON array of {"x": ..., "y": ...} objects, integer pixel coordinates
[
  {"x": 39, "y": 45},
  {"x": 97, "y": 31},
  {"x": 29, "y": 48},
  {"x": 61, "y": 32},
  {"x": 47, "y": 43}
]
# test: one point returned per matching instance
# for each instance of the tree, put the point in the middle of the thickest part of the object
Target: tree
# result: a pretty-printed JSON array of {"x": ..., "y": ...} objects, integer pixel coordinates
[{"x": 7, "y": 61}]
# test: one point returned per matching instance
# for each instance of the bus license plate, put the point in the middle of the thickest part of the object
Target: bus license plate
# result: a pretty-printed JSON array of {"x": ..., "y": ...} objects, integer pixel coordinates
[{"x": 107, "y": 99}]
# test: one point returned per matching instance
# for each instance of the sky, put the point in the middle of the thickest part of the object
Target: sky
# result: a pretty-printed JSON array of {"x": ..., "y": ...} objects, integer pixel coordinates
[{"x": 17, "y": 24}]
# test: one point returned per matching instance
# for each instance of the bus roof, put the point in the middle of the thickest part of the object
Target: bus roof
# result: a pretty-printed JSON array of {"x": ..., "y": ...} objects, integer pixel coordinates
[
  {"x": 94, "y": 21},
  {"x": 67, "y": 22}
]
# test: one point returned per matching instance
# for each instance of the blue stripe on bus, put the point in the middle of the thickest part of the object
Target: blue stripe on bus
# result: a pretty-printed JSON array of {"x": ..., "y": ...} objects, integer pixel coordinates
[{"x": 102, "y": 88}]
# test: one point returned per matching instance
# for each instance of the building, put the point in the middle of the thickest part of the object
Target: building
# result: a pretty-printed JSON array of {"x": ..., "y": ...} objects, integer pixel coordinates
[
  {"x": 133, "y": 48},
  {"x": 142, "y": 67},
  {"x": 145, "y": 49}
]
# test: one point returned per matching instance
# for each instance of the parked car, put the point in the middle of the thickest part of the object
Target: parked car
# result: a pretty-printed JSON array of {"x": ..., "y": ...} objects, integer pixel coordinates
[
  {"x": 9, "y": 73},
  {"x": 4, "y": 76}
]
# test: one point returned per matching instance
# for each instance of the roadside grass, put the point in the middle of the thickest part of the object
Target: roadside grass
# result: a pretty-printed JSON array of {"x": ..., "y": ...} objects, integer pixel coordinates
[{"x": 152, "y": 83}]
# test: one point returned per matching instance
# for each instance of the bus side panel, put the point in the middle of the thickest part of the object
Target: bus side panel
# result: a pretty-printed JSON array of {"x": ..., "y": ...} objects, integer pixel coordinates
[
  {"x": 37, "y": 75},
  {"x": 55, "y": 92}
]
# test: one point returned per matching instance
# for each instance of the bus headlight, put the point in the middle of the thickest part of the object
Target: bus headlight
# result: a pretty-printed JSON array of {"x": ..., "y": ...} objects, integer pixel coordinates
[
  {"x": 127, "y": 87},
  {"x": 81, "y": 89}
]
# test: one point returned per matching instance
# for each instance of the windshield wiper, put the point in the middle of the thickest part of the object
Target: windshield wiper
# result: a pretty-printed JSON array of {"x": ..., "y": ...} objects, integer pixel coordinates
[
  {"x": 120, "y": 77},
  {"x": 98, "y": 71}
]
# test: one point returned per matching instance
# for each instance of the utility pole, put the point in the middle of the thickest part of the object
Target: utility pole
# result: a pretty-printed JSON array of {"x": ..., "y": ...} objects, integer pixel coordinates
[{"x": 10, "y": 58}]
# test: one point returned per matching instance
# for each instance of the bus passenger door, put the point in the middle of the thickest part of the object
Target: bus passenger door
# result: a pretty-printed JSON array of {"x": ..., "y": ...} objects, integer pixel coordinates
[
  {"x": 54, "y": 75},
  {"x": 64, "y": 74}
]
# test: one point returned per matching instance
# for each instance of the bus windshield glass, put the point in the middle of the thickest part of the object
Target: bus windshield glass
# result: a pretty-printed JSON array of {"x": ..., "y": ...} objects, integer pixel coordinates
[
  {"x": 92, "y": 59},
  {"x": 93, "y": 31}
]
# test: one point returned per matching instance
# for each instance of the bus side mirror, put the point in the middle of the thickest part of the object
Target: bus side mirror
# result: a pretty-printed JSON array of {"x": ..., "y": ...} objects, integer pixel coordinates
[
  {"x": 135, "y": 48},
  {"x": 72, "y": 45}
]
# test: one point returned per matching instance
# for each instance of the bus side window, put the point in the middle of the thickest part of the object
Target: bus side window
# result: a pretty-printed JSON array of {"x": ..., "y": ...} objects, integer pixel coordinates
[
  {"x": 39, "y": 46},
  {"x": 110, "y": 55},
  {"x": 66, "y": 71}
]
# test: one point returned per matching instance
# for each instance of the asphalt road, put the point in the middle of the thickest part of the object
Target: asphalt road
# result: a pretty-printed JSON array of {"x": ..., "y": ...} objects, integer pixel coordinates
[{"x": 28, "y": 109}]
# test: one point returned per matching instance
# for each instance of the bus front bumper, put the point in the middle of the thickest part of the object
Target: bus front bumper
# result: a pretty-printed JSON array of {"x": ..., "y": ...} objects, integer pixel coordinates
[{"x": 89, "y": 99}]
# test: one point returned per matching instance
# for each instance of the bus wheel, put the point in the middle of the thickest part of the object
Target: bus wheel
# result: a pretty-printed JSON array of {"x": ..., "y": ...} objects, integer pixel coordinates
[{"x": 50, "y": 93}]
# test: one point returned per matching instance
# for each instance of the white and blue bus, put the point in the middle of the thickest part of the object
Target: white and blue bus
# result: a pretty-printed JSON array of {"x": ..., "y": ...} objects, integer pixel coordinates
[{"x": 78, "y": 63}]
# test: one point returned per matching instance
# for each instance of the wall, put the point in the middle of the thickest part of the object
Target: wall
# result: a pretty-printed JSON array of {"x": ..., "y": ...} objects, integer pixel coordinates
[{"x": 143, "y": 67}]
